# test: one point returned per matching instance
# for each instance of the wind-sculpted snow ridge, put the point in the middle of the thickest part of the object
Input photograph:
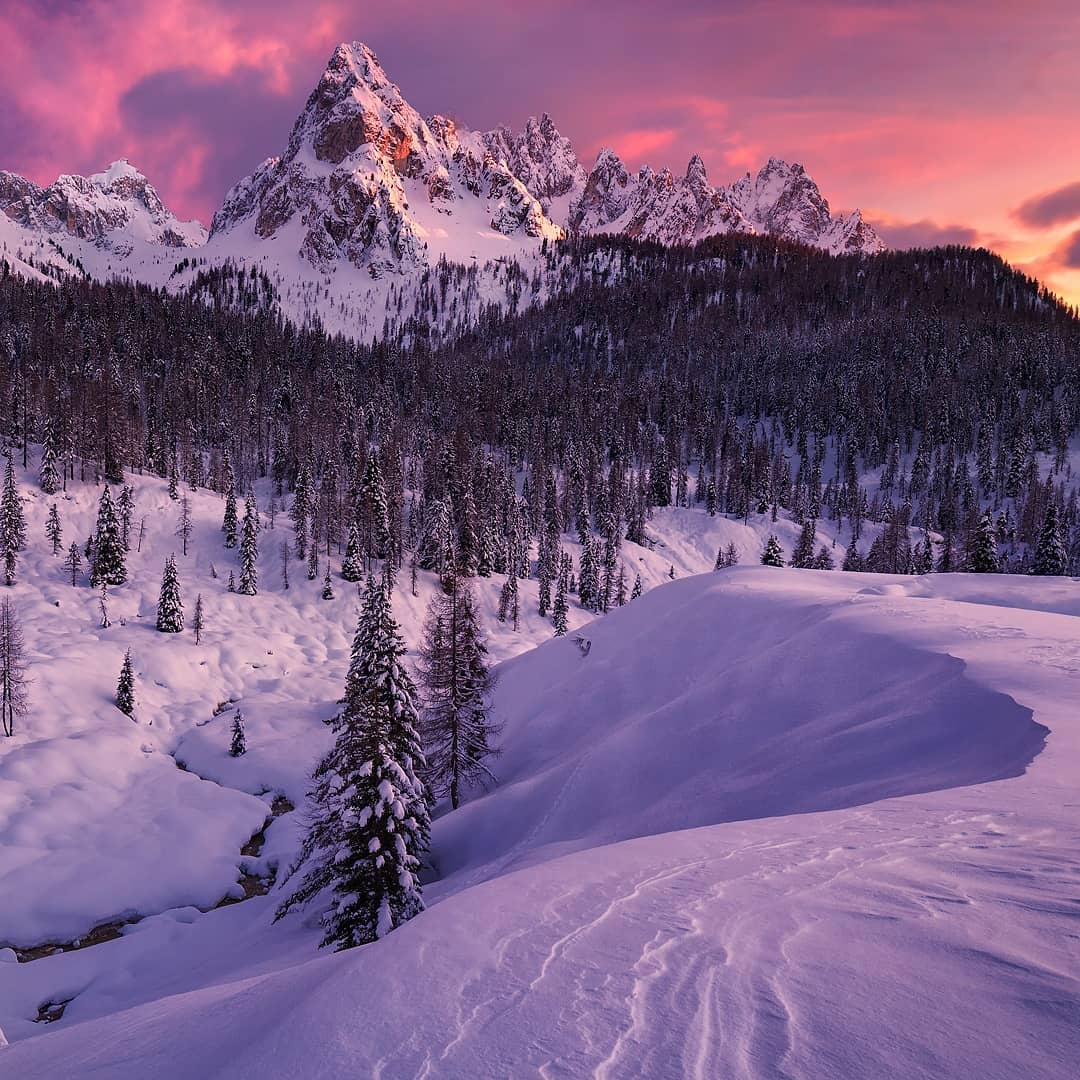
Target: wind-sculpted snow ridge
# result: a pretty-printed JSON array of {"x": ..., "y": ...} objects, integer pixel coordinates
[{"x": 769, "y": 823}]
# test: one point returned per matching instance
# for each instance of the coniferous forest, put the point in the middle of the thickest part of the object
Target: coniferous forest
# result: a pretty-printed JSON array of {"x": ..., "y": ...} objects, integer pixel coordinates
[{"x": 919, "y": 389}]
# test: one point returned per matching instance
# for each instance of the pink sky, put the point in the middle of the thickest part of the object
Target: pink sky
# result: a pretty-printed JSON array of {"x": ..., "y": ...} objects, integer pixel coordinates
[{"x": 942, "y": 121}]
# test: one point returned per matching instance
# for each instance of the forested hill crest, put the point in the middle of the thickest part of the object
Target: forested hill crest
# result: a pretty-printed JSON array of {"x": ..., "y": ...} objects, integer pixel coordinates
[{"x": 767, "y": 373}]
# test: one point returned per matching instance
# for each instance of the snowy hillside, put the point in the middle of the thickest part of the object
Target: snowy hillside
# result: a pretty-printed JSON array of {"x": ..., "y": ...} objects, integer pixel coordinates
[{"x": 757, "y": 822}]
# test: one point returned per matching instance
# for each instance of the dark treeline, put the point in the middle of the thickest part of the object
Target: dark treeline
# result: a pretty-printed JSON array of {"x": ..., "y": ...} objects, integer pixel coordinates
[{"x": 745, "y": 376}]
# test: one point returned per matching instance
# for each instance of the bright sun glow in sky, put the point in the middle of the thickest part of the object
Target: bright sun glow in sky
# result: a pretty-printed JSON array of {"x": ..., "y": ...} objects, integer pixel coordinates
[{"x": 943, "y": 122}]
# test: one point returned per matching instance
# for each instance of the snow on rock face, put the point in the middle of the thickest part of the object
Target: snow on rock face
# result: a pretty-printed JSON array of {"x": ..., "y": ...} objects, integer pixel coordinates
[
  {"x": 370, "y": 179},
  {"x": 376, "y": 185},
  {"x": 541, "y": 157},
  {"x": 781, "y": 200},
  {"x": 110, "y": 208}
]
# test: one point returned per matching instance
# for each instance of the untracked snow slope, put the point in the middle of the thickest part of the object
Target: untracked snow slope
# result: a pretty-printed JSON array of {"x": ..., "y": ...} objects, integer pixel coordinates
[{"x": 768, "y": 823}]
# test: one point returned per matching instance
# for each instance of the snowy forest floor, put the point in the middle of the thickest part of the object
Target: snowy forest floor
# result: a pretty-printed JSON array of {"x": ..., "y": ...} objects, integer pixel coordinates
[{"x": 774, "y": 823}]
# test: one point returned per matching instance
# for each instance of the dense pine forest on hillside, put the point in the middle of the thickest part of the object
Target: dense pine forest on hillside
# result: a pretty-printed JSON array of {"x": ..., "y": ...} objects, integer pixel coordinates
[{"x": 922, "y": 389}]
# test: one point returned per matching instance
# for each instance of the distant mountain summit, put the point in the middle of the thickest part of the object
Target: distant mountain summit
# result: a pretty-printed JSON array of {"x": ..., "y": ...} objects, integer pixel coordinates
[
  {"x": 366, "y": 179},
  {"x": 368, "y": 187},
  {"x": 114, "y": 208}
]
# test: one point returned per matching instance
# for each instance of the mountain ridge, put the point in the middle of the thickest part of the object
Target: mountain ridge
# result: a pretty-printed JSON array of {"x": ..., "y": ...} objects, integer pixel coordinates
[{"x": 365, "y": 181}]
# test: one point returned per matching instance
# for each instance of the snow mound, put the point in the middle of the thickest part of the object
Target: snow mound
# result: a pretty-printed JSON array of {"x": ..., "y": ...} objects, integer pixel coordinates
[
  {"x": 707, "y": 701},
  {"x": 884, "y": 883}
]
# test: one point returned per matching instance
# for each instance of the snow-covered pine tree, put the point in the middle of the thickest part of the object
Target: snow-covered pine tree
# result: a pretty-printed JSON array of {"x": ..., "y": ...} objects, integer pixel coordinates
[
  {"x": 853, "y": 560},
  {"x": 370, "y": 824},
  {"x": 54, "y": 530},
  {"x": 371, "y": 510},
  {"x": 125, "y": 506},
  {"x": 328, "y": 587},
  {"x": 125, "y": 687},
  {"x": 249, "y": 550},
  {"x": 635, "y": 592},
  {"x": 238, "y": 745},
  {"x": 313, "y": 551},
  {"x": 983, "y": 553},
  {"x": 436, "y": 548},
  {"x": 197, "y": 620},
  {"x": 352, "y": 565},
  {"x": 803, "y": 555},
  {"x": 12, "y": 520},
  {"x": 560, "y": 608},
  {"x": 170, "y": 610},
  {"x": 303, "y": 506},
  {"x": 73, "y": 564},
  {"x": 947, "y": 558},
  {"x": 183, "y": 523},
  {"x": 48, "y": 477},
  {"x": 456, "y": 726},
  {"x": 772, "y": 554},
  {"x": 229, "y": 521},
  {"x": 1050, "y": 557},
  {"x": 107, "y": 564},
  {"x": 620, "y": 587}
]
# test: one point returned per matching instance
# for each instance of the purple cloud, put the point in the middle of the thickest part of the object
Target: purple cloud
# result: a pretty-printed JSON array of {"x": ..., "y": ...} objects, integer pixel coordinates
[
  {"x": 1051, "y": 208},
  {"x": 238, "y": 117},
  {"x": 1069, "y": 252},
  {"x": 925, "y": 234}
]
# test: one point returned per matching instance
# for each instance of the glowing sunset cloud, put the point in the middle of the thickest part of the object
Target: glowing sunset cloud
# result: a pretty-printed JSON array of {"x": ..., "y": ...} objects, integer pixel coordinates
[{"x": 945, "y": 122}]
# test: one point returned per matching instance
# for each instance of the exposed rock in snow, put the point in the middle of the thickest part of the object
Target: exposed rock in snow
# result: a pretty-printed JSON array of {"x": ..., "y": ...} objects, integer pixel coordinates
[
  {"x": 372, "y": 181},
  {"x": 781, "y": 200},
  {"x": 366, "y": 186},
  {"x": 111, "y": 208}
]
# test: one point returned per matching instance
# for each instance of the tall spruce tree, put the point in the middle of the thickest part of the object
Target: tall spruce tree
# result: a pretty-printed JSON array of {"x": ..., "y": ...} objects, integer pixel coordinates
[
  {"x": 803, "y": 555},
  {"x": 456, "y": 726},
  {"x": 54, "y": 530},
  {"x": 125, "y": 687},
  {"x": 48, "y": 477},
  {"x": 107, "y": 565},
  {"x": 1050, "y": 558},
  {"x": 352, "y": 565},
  {"x": 560, "y": 609},
  {"x": 983, "y": 553},
  {"x": 170, "y": 609},
  {"x": 249, "y": 550},
  {"x": 229, "y": 518},
  {"x": 370, "y": 824},
  {"x": 125, "y": 506},
  {"x": 73, "y": 564},
  {"x": 12, "y": 520}
]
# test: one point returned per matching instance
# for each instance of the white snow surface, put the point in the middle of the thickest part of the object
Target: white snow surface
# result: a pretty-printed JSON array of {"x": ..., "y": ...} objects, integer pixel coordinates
[{"x": 768, "y": 823}]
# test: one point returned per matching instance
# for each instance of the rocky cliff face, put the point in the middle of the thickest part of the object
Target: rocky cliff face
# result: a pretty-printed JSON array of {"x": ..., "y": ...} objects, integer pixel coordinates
[
  {"x": 366, "y": 182},
  {"x": 781, "y": 200},
  {"x": 111, "y": 209},
  {"x": 367, "y": 179}
]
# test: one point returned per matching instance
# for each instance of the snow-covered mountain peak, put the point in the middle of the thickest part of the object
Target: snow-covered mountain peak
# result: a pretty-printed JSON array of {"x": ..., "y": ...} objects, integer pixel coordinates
[
  {"x": 114, "y": 209},
  {"x": 365, "y": 179}
]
